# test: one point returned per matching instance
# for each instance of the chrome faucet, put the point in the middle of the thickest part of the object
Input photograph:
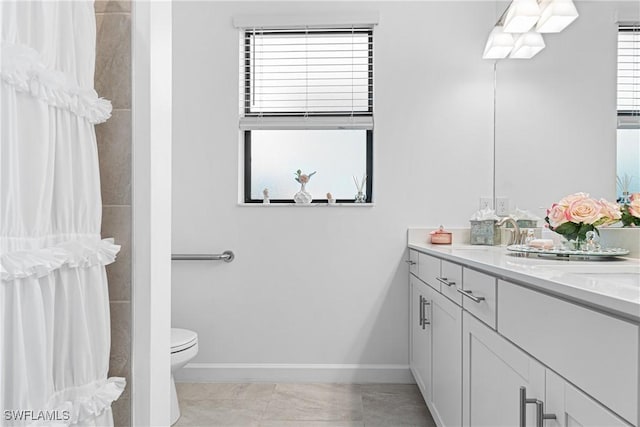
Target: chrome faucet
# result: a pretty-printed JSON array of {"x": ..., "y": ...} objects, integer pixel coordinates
[{"x": 514, "y": 235}]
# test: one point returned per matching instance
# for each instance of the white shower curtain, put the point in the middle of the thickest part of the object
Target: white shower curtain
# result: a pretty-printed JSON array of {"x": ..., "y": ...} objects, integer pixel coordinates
[{"x": 54, "y": 305}]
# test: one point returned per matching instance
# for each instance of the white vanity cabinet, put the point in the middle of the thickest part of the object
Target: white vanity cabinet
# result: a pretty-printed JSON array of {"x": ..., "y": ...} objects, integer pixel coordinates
[
  {"x": 502, "y": 384},
  {"x": 595, "y": 351},
  {"x": 497, "y": 352},
  {"x": 436, "y": 346}
]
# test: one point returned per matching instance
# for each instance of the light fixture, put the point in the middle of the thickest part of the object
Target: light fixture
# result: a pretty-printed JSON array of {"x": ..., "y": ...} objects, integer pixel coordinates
[
  {"x": 527, "y": 45},
  {"x": 517, "y": 21},
  {"x": 556, "y": 15},
  {"x": 521, "y": 16},
  {"x": 499, "y": 44}
]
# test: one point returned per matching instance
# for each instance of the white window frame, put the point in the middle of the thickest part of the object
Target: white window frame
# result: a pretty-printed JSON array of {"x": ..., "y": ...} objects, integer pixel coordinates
[{"x": 250, "y": 121}]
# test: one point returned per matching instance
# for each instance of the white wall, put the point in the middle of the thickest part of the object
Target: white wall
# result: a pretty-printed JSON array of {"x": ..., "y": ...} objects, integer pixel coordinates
[
  {"x": 323, "y": 286},
  {"x": 556, "y": 113}
]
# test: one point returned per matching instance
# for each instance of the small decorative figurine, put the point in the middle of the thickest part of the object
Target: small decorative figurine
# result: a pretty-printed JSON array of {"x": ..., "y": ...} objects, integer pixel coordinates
[
  {"x": 265, "y": 197},
  {"x": 302, "y": 196},
  {"x": 330, "y": 199}
]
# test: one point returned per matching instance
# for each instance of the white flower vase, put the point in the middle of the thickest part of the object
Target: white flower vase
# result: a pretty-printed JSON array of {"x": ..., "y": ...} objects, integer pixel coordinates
[{"x": 302, "y": 196}]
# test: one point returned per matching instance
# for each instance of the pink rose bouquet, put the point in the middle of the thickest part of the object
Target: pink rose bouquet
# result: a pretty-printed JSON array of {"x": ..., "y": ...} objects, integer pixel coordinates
[
  {"x": 576, "y": 214},
  {"x": 631, "y": 211}
]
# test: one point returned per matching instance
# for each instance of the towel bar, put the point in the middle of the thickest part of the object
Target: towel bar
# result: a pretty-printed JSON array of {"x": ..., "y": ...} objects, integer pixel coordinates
[{"x": 226, "y": 256}]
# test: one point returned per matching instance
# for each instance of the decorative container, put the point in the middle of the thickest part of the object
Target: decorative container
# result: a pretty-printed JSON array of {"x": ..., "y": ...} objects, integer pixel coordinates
[
  {"x": 441, "y": 237},
  {"x": 485, "y": 232},
  {"x": 360, "y": 186},
  {"x": 302, "y": 197}
]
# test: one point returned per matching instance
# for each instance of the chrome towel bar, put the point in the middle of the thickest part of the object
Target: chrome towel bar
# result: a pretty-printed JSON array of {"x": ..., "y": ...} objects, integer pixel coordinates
[{"x": 226, "y": 256}]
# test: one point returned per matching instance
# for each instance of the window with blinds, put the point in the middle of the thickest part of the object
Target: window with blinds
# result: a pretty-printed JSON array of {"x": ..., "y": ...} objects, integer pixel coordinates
[
  {"x": 308, "y": 73},
  {"x": 306, "y": 102},
  {"x": 628, "y": 104}
]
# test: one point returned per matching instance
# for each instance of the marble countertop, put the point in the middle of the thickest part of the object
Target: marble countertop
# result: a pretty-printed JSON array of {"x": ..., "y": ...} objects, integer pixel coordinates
[{"x": 612, "y": 286}]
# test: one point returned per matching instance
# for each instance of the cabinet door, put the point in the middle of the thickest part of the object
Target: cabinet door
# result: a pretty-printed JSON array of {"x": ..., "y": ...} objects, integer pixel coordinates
[
  {"x": 573, "y": 408},
  {"x": 446, "y": 359},
  {"x": 420, "y": 337},
  {"x": 493, "y": 372}
]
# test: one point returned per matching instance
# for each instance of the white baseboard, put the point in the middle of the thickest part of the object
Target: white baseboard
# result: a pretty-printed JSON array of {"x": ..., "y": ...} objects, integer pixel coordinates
[{"x": 294, "y": 373}]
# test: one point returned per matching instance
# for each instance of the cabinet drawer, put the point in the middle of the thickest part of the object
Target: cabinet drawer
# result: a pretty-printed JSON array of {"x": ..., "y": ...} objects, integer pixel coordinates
[
  {"x": 596, "y": 352},
  {"x": 413, "y": 262},
  {"x": 428, "y": 270},
  {"x": 480, "y": 285},
  {"x": 451, "y": 280}
]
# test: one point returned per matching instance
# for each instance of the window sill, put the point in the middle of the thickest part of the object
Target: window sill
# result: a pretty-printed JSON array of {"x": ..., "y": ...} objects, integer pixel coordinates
[{"x": 309, "y": 205}]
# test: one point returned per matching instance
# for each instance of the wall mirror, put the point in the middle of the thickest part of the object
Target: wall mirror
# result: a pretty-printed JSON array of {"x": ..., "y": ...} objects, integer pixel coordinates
[{"x": 556, "y": 124}]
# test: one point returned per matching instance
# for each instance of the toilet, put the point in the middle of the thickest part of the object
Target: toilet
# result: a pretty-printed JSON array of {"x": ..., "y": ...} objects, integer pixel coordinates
[{"x": 184, "y": 347}]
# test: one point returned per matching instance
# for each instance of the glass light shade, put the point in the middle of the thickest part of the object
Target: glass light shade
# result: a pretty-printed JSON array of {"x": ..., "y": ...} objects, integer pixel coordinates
[
  {"x": 556, "y": 15},
  {"x": 499, "y": 44},
  {"x": 522, "y": 15},
  {"x": 527, "y": 45}
]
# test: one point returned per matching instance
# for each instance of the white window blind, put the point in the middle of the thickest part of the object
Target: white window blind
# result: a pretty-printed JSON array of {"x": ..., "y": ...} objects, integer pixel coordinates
[
  {"x": 628, "y": 104},
  {"x": 305, "y": 77}
]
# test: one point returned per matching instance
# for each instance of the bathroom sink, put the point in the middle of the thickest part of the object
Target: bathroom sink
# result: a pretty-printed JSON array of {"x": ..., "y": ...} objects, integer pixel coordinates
[
  {"x": 624, "y": 279},
  {"x": 602, "y": 269}
]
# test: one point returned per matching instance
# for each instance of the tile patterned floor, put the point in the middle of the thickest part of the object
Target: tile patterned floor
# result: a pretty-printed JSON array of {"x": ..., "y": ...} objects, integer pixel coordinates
[{"x": 302, "y": 405}]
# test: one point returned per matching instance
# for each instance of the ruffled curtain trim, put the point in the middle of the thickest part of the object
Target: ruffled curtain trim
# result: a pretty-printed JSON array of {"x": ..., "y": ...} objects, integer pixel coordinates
[
  {"x": 73, "y": 254},
  {"x": 23, "y": 69},
  {"x": 84, "y": 402}
]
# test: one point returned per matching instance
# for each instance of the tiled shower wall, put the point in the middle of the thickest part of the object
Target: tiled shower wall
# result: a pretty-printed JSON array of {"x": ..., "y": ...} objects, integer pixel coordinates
[{"x": 113, "y": 82}]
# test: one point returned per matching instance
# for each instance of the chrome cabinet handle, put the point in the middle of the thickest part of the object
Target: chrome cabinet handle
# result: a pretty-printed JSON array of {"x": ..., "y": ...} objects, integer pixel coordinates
[
  {"x": 410, "y": 262},
  {"x": 470, "y": 295},
  {"x": 523, "y": 406},
  {"x": 445, "y": 281},
  {"x": 421, "y": 308},
  {"x": 424, "y": 313},
  {"x": 541, "y": 416}
]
